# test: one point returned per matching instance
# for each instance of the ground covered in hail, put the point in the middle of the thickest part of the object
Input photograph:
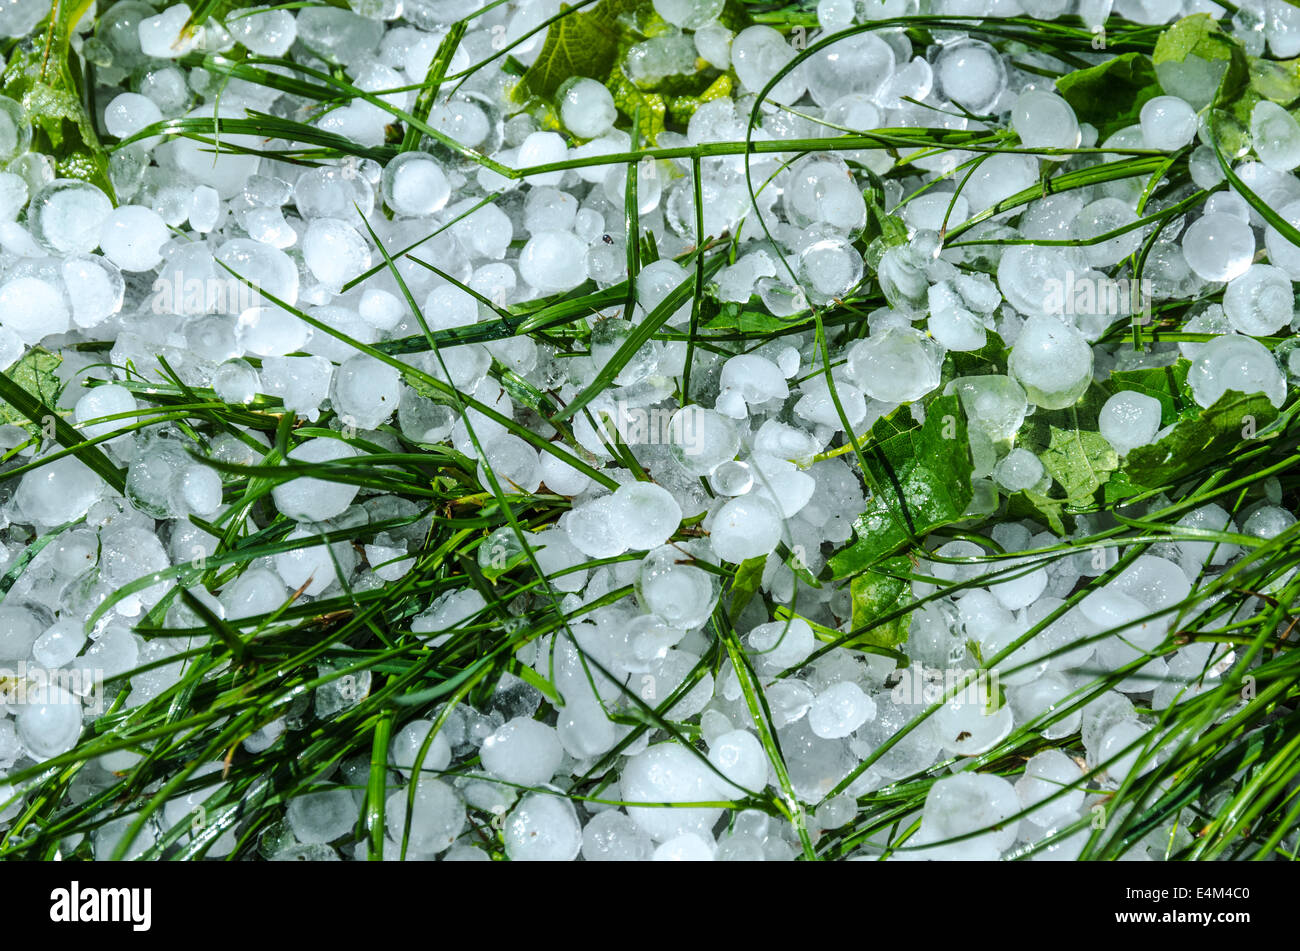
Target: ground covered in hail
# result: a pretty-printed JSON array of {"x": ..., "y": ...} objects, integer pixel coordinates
[{"x": 688, "y": 429}]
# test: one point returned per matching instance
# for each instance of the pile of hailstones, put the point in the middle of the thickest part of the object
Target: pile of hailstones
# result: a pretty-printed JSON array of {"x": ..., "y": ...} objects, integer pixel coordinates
[{"x": 148, "y": 276}]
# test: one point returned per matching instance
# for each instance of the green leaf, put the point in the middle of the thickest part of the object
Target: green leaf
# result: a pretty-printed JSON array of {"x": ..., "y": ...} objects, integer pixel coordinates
[
  {"x": 1233, "y": 421},
  {"x": 1277, "y": 81},
  {"x": 681, "y": 108},
  {"x": 932, "y": 467},
  {"x": 1041, "y": 508},
  {"x": 749, "y": 575},
  {"x": 34, "y": 372},
  {"x": 875, "y": 595},
  {"x": 39, "y": 76},
  {"x": 988, "y": 359},
  {"x": 1080, "y": 461},
  {"x": 1164, "y": 384},
  {"x": 1191, "y": 46},
  {"x": 1111, "y": 94},
  {"x": 646, "y": 109},
  {"x": 580, "y": 43},
  {"x": 1120, "y": 487}
]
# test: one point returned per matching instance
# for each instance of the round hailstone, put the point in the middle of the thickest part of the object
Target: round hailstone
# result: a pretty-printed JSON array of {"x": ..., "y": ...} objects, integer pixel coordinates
[
  {"x": 522, "y": 751},
  {"x": 256, "y": 592},
  {"x": 132, "y": 238},
  {"x": 829, "y": 268},
  {"x": 543, "y": 828},
  {"x": 66, "y": 215},
  {"x": 1033, "y": 278},
  {"x": 950, "y": 323},
  {"x": 448, "y": 307},
  {"x": 1261, "y": 301},
  {"x": 669, "y": 773},
  {"x": 334, "y": 252},
  {"x": 307, "y": 499},
  {"x": 593, "y": 528},
  {"x": 226, "y": 170},
  {"x": 128, "y": 113},
  {"x": 966, "y": 726},
  {"x": 1051, "y": 787},
  {"x": 58, "y": 491},
  {"x": 858, "y": 64},
  {"x": 1234, "y": 362},
  {"x": 839, "y": 710},
  {"x": 897, "y": 366},
  {"x": 586, "y": 107},
  {"x": 744, "y": 528},
  {"x": 261, "y": 265},
  {"x": 1000, "y": 177},
  {"x": 995, "y": 403},
  {"x": 49, "y": 723},
  {"x": 702, "y": 439},
  {"x": 1044, "y": 120},
  {"x": 380, "y": 309},
  {"x": 1102, "y": 217},
  {"x": 265, "y": 32},
  {"x": 59, "y": 644},
  {"x": 312, "y": 569},
  {"x": 679, "y": 593},
  {"x": 755, "y": 378},
  {"x": 971, "y": 73},
  {"x": 1281, "y": 252},
  {"x": 957, "y": 806},
  {"x": 100, "y": 286},
  {"x": 739, "y": 756},
  {"x": 782, "y": 644},
  {"x": 612, "y": 836},
  {"x": 1129, "y": 419},
  {"x": 437, "y": 817},
  {"x": 732, "y": 478},
  {"x": 553, "y": 261},
  {"x": 1168, "y": 123},
  {"x": 1219, "y": 247},
  {"x": 13, "y": 194},
  {"x": 107, "y": 400},
  {"x": 33, "y": 308},
  {"x": 270, "y": 332},
  {"x": 1275, "y": 136},
  {"x": 656, "y": 281},
  {"x": 688, "y": 14},
  {"x": 404, "y": 751},
  {"x": 320, "y": 817},
  {"x": 461, "y": 121},
  {"x": 645, "y": 514},
  {"x": 542, "y": 148},
  {"x": 821, "y": 189},
  {"x": 163, "y": 37},
  {"x": 1125, "y": 735},
  {"x": 1052, "y": 361},
  {"x": 200, "y": 489},
  {"x": 15, "y": 130},
  {"x": 559, "y": 476},
  {"x": 685, "y": 848},
  {"x": 1018, "y": 470},
  {"x": 20, "y": 630},
  {"x": 514, "y": 463},
  {"x": 415, "y": 185},
  {"x": 834, "y": 15},
  {"x": 757, "y": 53},
  {"x": 365, "y": 391}
]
